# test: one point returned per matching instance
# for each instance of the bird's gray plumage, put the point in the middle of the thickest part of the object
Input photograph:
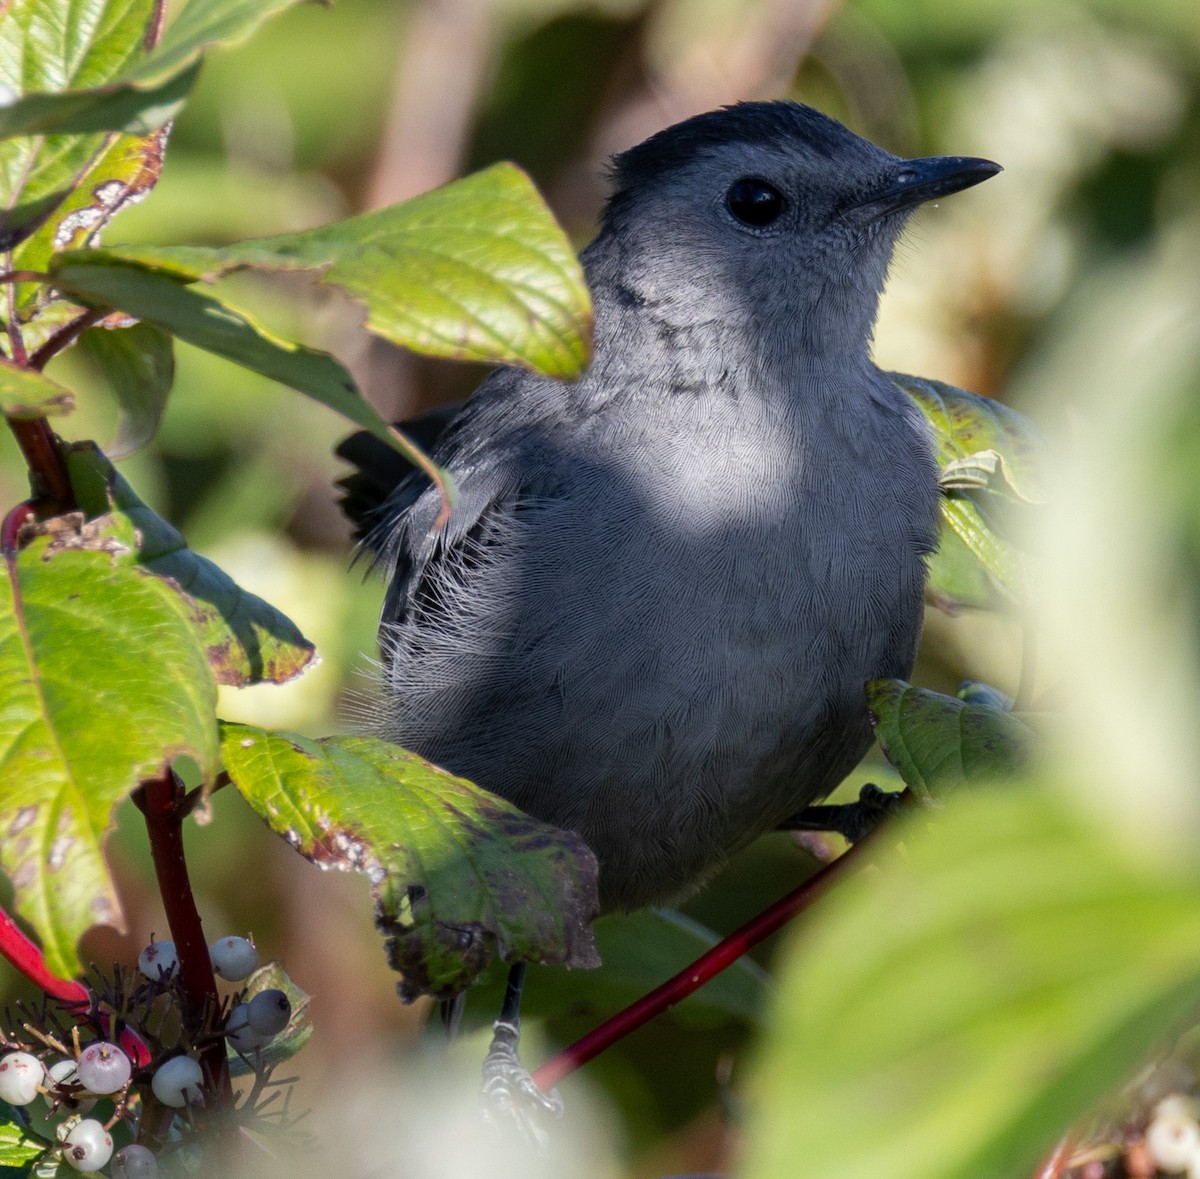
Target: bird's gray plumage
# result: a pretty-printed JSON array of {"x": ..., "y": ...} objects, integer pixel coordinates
[{"x": 652, "y": 613}]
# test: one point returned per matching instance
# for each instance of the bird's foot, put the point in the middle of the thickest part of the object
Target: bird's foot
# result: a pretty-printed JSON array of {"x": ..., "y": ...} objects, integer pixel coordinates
[
  {"x": 853, "y": 820},
  {"x": 510, "y": 1097}
]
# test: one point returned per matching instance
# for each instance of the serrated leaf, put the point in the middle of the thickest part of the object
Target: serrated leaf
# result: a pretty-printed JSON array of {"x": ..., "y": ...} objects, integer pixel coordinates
[
  {"x": 19, "y": 1146},
  {"x": 246, "y": 640},
  {"x": 941, "y": 743},
  {"x": 119, "y": 86},
  {"x": 458, "y": 876},
  {"x": 299, "y": 1029},
  {"x": 950, "y": 1014},
  {"x": 25, "y": 393},
  {"x": 138, "y": 362},
  {"x": 102, "y": 684},
  {"x": 475, "y": 270}
]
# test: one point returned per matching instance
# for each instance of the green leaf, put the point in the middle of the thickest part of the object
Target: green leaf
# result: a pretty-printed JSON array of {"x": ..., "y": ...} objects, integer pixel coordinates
[
  {"x": 957, "y": 580},
  {"x": 118, "y": 171},
  {"x": 102, "y": 685},
  {"x": 1009, "y": 569},
  {"x": 475, "y": 270},
  {"x": 25, "y": 393},
  {"x": 286, "y": 1043},
  {"x": 48, "y": 46},
  {"x": 216, "y": 327},
  {"x": 991, "y": 459},
  {"x": 948, "y": 1015},
  {"x": 246, "y": 640},
  {"x": 139, "y": 363},
  {"x": 19, "y": 1146},
  {"x": 115, "y": 84},
  {"x": 458, "y": 876},
  {"x": 978, "y": 437},
  {"x": 58, "y": 191},
  {"x": 113, "y": 107},
  {"x": 940, "y": 743}
]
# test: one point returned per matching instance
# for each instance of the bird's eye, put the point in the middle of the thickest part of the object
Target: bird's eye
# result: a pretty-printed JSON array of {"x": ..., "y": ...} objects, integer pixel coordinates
[{"x": 754, "y": 202}]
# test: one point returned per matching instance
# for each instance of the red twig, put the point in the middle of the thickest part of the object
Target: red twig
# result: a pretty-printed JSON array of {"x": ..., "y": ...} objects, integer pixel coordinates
[
  {"x": 11, "y": 529},
  {"x": 45, "y": 462},
  {"x": 161, "y": 802},
  {"x": 28, "y": 959},
  {"x": 65, "y": 336},
  {"x": 706, "y": 967}
]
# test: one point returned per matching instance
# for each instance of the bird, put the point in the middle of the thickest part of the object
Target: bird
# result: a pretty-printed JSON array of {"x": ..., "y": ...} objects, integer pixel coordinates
[{"x": 652, "y": 612}]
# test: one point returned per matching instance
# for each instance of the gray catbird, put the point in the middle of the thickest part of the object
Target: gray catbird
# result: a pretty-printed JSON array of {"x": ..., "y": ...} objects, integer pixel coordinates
[{"x": 652, "y": 613}]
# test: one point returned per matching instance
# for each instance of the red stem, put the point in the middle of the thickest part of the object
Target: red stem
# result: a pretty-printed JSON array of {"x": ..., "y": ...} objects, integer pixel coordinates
[
  {"x": 11, "y": 529},
  {"x": 45, "y": 462},
  {"x": 160, "y": 802},
  {"x": 27, "y": 958},
  {"x": 65, "y": 336},
  {"x": 705, "y": 968}
]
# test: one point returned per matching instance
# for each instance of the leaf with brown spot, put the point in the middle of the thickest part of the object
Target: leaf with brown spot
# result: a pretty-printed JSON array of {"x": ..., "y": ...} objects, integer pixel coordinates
[
  {"x": 246, "y": 639},
  {"x": 458, "y": 876},
  {"x": 86, "y": 713}
]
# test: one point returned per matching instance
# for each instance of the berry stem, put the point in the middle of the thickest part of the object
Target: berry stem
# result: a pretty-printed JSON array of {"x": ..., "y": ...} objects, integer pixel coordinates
[
  {"x": 706, "y": 967},
  {"x": 28, "y": 959},
  {"x": 160, "y": 801}
]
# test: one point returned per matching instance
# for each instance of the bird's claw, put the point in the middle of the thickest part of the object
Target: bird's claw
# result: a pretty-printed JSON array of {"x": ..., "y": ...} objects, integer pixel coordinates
[
  {"x": 853, "y": 820},
  {"x": 510, "y": 1097}
]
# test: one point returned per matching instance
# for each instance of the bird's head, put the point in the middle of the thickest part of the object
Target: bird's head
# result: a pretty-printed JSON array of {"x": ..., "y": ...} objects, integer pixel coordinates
[{"x": 771, "y": 212}]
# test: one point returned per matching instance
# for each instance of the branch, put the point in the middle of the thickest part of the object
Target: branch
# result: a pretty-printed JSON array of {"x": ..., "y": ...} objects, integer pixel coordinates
[
  {"x": 47, "y": 470},
  {"x": 64, "y": 337},
  {"x": 26, "y": 957},
  {"x": 160, "y": 801},
  {"x": 706, "y": 967}
]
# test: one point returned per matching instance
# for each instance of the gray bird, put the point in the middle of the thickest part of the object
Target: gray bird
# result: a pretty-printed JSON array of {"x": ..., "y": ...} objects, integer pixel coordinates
[{"x": 650, "y": 617}]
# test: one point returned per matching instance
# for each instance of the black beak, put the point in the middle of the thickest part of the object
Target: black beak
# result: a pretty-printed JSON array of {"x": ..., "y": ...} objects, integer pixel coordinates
[{"x": 916, "y": 181}]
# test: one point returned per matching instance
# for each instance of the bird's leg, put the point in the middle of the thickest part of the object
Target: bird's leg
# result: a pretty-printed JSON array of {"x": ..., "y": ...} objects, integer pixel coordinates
[
  {"x": 508, "y": 1090},
  {"x": 854, "y": 820},
  {"x": 450, "y": 1013}
]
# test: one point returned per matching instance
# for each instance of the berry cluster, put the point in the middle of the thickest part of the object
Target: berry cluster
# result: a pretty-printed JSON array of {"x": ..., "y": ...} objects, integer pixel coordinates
[{"x": 135, "y": 1048}]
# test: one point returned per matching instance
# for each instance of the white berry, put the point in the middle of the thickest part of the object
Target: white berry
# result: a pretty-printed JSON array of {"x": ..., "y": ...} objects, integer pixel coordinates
[
  {"x": 20, "y": 1075},
  {"x": 89, "y": 1145},
  {"x": 268, "y": 1012},
  {"x": 177, "y": 1082},
  {"x": 103, "y": 1068},
  {"x": 64, "y": 1073},
  {"x": 1172, "y": 1142},
  {"x": 239, "y": 1032},
  {"x": 134, "y": 1162},
  {"x": 158, "y": 961},
  {"x": 233, "y": 958}
]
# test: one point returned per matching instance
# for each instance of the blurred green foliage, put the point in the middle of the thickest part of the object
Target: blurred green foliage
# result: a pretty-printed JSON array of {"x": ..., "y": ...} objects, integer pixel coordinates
[{"x": 1066, "y": 286}]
